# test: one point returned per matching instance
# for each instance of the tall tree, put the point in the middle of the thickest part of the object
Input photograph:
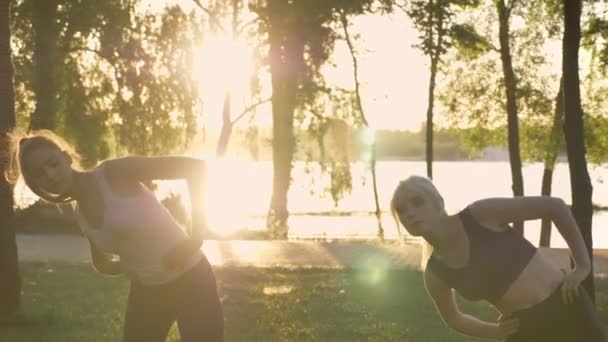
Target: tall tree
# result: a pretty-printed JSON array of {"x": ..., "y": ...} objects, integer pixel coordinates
[
  {"x": 520, "y": 83},
  {"x": 10, "y": 280},
  {"x": 122, "y": 76},
  {"x": 286, "y": 55},
  {"x": 510, "y": 81},
  {"x": 363, "y": 118},
  {"x": 433, "y": 19},
  {"x": 582, "y": 190},
  {"x": 300, "y": 40},
  {"x": 554, "y": 142},
  {"x": 547, "y": 16},
  {"x": 46, "y": 62},
  {"x": 594, "y": 41},
  {"x": 216, "y": 11},
  {"x": 227, "y": 123}
]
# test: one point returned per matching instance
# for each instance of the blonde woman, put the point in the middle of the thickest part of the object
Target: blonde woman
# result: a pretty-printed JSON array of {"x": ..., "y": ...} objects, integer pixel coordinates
[
  {"x": 171, "y": 279},
  {"x": 478, "y": 255}
]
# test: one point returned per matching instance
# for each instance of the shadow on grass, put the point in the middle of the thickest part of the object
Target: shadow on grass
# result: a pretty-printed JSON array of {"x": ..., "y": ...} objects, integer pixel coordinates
[{"x": 73, "y": 303}]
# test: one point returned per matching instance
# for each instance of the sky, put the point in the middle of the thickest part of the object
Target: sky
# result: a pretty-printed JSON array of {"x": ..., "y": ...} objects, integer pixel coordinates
[{"x": 392, "y": 73}]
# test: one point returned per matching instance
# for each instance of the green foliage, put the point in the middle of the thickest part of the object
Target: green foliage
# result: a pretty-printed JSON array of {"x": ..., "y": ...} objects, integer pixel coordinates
[
  {"x": 468, "y": 41},
  {"x": 595, "y": 35},
  {"x": 596, "y": 138},
  {"x": 535, "y": 146},
  {"x": 595, "y": 86},
  {"x": 123, "y": 76},
  {"x": 433, "y": 21},
  {"x": 332, "y": 137},
  {"x": 473, "y": 92},
  {"x": 301, "y": 36},
  {"x": 477, "y": 138},
  {"x": 311, "y": 23},
  {"x": 76, "y": 117},
  {"x": 156, "y": 94},
  {"x": 544, "y": 16}
]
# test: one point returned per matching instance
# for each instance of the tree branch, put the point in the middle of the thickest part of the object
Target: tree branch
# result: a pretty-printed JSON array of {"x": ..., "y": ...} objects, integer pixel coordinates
[
  {"x": 211, "y": 15},
  {"x": 351, "y": 48},
  {"x": 97, "y": 52},
  {"x": 242, "y": 28},
  {"x": 317, "y": 115},
  {"x": 401, "y": 6},
  {"x": 249, "y": 109}
]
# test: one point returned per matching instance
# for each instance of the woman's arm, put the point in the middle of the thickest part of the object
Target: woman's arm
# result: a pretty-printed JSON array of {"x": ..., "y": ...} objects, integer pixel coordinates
[
  {"x": 445, "y": 302},
  {"x": 507, "y": 210},
  {"x": 103, "y": 264},
  {"x": 139, "y": 168}
]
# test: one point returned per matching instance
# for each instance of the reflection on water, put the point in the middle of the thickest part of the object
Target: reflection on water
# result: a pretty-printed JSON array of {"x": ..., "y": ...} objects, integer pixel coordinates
[{"x": 238, "y": 194}]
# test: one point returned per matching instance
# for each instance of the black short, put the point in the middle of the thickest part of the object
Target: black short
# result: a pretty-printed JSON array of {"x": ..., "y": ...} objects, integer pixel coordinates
[
  {"x": 554, "y": 321},
  {"x": 191, "y": 300}
]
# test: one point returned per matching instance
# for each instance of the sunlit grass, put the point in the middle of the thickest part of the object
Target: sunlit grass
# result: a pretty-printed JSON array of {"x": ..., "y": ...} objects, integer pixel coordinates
[
  {"x": 277, "y": 290},
  {"x": 73, "y": 303}
]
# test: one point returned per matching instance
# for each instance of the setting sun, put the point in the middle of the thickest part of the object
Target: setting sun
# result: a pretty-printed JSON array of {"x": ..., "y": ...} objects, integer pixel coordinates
[{"x": 222, "y": 63}]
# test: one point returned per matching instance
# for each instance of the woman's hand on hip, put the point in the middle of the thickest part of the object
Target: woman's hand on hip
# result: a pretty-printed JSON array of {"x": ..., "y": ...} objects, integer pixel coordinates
[
  {"x": 507, "y": 326},
  {"x": 571, "y": 283}
]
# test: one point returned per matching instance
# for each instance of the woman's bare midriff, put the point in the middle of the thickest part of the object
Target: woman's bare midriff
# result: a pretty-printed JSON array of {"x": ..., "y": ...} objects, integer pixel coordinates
[{"x": 538, "y": 280}]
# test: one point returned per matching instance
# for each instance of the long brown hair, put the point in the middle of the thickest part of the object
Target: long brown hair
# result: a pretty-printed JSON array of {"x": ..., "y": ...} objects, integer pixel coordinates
[{"x": 20, "y": 144}]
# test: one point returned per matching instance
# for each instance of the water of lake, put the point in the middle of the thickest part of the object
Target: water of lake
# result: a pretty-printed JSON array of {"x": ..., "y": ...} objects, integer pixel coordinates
[{"x": 239, "y": 193}]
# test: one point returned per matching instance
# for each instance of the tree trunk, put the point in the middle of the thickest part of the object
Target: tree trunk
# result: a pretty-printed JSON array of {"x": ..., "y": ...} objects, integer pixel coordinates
[
  {"x": 555, "y": 139},
  {"x": 10, "y": 280},
  {"x": 580, "y": 183},
  {"x": 222, "y": 144},
  {"x": 351, "y": 48},
  {"x": 431, "y": 97},
  {"x": 511, "y": 93},
  {"x": 44, "y": 25},
  {"x": 286, "y": 58},
  {"x": 429, "y": 118},
  {"x": 227, "y": 124},
  {"x": 378, "y": 212}
]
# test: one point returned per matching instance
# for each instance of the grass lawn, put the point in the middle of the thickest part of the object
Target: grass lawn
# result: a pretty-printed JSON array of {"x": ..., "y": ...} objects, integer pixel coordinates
[{"x": 74, "y": 303}]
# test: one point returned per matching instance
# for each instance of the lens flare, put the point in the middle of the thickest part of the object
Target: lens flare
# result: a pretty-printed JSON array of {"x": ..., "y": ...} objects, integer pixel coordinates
[{"x": 374, "y": 270}]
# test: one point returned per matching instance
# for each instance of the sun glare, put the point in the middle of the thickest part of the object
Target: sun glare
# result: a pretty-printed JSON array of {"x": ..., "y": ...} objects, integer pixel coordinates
[
  {"x": 231, "y": 198},
  {"x": 369, "y": 136},
  {"x": 222, "y": 62}
]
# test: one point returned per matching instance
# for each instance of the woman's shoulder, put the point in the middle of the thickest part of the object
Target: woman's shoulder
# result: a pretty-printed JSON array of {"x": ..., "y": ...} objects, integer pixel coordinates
[
  {"x": 482, "y": 210},
  {"x": 116, "y": 177},
  {"x": 483, "y": 213},
  {"x": 112, "y": 168}
]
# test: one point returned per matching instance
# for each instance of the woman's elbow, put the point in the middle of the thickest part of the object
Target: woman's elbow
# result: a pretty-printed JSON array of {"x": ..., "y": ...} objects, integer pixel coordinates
[
  {"x": 452, "y": 321},
  {"x": 108, "y": 268},
  {"x": 558, "y": 203},
  {"x": 557, "y": 208},
  {"x": 459, "y": 323}
]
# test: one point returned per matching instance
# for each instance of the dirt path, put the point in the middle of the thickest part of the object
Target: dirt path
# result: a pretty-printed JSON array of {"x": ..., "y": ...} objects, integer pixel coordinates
[{"x": 337, "y": 254}]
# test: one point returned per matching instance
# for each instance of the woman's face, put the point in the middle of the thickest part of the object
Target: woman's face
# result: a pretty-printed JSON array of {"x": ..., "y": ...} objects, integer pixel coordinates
[
  {"x": 416, "y": 210},
  {"x": 49, "y": 169}
]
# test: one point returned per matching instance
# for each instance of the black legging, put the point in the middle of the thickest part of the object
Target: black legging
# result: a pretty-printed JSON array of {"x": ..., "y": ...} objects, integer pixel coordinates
[
  {"x": 554, "y": 321},
  {"x": 191, "y": 300}
]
